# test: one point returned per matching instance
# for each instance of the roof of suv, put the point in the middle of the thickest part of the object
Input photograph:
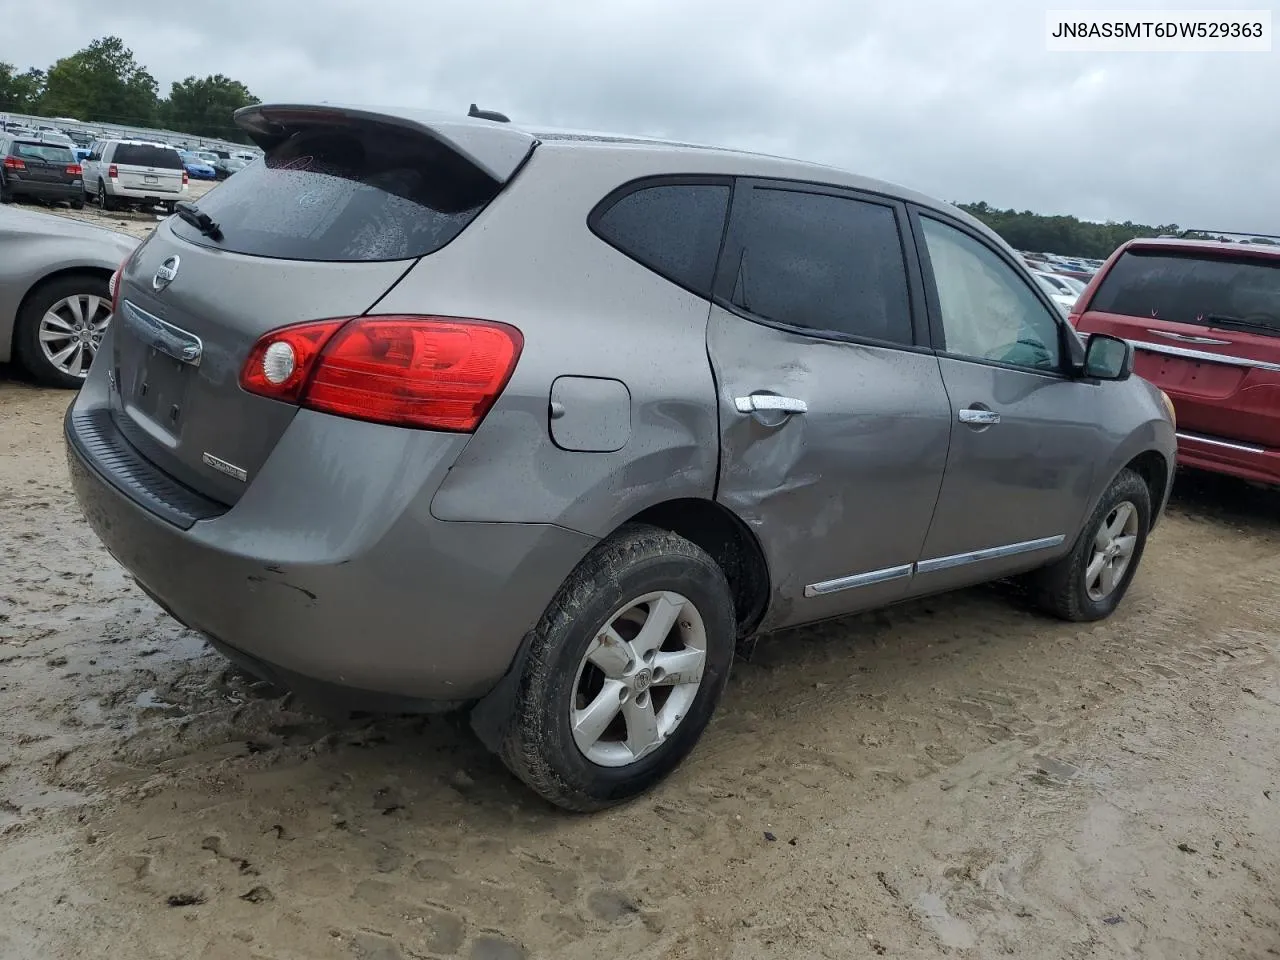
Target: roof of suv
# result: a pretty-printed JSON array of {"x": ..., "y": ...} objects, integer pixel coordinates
[
  {"x": 1215, "y": 247},
  {"x": 758, "y": 164}
]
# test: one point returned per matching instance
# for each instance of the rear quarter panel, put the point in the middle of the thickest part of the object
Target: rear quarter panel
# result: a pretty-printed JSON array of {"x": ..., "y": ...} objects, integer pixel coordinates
[
  {"x": 585, "y": 310},
  {"x": 36, "y": 246}
]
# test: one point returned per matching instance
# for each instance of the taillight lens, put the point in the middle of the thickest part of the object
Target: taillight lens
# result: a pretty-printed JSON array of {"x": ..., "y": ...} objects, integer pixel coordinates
[
  {"x": 185, "y": 179},
  {"x": 439, "y": 373},
  {"x": 74, "y": 169},
  {"x": 114, "y": 284},
  {"x": 13, "y": 163},
  {"x": 113, "y": 172},
  {"x": 280, "y": 363}
]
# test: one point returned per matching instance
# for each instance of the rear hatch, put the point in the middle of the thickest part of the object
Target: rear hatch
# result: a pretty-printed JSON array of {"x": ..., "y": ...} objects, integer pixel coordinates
[
  {"x": 45, "y": 163},
  {"x": 148, "y": 167},
  {"x": 1206, "y": 325},
  {"x": 344, "y": 204}
]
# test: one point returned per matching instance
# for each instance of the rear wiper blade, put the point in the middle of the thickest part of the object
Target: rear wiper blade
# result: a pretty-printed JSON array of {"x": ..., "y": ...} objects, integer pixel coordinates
[
  {"x": 1237, "y": 323},
  {"x": 201, "y": 221}
]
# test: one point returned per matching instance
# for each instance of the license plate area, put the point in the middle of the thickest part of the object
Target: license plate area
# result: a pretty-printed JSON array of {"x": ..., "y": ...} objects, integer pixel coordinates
[
  {"x": 1185, "y": 376},
  {"x": 148, "y": 178},
  {"x": 156, "y": 361},
  {"x": 159, "y": 391}
]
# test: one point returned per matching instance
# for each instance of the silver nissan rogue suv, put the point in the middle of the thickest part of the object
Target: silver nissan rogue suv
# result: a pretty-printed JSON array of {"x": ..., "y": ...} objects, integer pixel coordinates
[{"x": 428, "y": 412}]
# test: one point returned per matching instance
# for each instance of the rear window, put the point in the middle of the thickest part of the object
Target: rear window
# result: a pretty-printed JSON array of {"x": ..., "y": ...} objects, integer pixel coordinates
[
  {"x": 358, "y": 194},
  {"x": 673, "y": 229},
  {"x": 49, "y": 153},
  {"x": 146, "y": 155},
  {"x": 1184, "y": 288}
]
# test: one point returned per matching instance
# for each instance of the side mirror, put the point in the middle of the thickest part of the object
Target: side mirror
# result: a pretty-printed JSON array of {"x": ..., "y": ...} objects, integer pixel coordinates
[{"x": 1108, "y": 358}]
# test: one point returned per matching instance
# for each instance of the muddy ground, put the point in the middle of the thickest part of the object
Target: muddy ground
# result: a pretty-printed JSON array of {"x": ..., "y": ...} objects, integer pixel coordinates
[{"x": 957, "y": 777}]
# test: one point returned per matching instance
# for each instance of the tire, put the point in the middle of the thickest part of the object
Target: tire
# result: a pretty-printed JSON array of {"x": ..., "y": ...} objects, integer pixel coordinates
[
  {"x": 27, "y": 332},
  {"x": 77, "y": 204},
  {"x": 6, "y": 195},
  {"x": 104, "y": 201},
  {"x": 169, "y": 207},
  {"x": 1061, "y": 588},
  {"x": 538, "y": 744}
]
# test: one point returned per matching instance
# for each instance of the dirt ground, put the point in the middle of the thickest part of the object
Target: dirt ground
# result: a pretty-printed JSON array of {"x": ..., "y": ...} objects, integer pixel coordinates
[
  {"x": 951, "y": 778},
  {"x": 136, "y": 223}
]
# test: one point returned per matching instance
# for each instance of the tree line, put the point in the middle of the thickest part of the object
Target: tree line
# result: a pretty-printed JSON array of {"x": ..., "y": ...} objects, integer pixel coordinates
[
  {"x": 1069, "y": 237},
  {"x": 104, "y": 83}
]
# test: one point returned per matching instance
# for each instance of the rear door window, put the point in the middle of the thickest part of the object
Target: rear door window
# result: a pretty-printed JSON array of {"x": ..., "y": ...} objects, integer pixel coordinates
[
  {"x": 49, "y": 153},
  {"x": 822, "y": 263},
  {"x": 146, "y": 155},
  {"x": 673, "y": 229},
  {"x": 357, "y": 194},
  {"x": 1193, "y": 289}
]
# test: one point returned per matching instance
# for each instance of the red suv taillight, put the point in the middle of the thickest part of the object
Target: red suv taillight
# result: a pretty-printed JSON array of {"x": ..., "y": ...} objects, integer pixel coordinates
[
  {"x": 74, "y": 169},
  {"x": 13, "y": 163},
  {"x": 439, "y": 373},
  {"x": 113, "y": 172},
  {"x": 185, "y": 178}
]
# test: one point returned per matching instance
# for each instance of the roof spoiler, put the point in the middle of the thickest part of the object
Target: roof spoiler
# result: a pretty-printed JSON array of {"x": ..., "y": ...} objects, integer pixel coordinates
[{"x": 496, "y": 149}]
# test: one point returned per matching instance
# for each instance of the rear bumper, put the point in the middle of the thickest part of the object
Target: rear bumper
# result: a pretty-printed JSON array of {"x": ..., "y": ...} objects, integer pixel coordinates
[
  {"x": 1245, "y": 460},
  {"x": 149, "y": 195},
  {"x": 329, "y": 574},
  {"x": 47, "y": 191}
]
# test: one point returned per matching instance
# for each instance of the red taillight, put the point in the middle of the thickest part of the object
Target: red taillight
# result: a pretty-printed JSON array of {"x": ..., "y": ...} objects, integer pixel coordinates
[
  {"x": 114, "y": 284},
  {"x": 13, "y": 163},
  {"x": 438, "y": 373},
  {"x": 184, "y": 178},
  {"x": 282, "y": 373},
  {"x": 74, "y": 170},
  {"x": 113, "y": 172}
]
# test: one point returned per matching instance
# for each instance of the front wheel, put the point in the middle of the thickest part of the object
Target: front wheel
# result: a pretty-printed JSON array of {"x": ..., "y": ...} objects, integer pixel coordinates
[
  {"x": 624, "y": 671},
  {"x": 1090, "y": 581}
]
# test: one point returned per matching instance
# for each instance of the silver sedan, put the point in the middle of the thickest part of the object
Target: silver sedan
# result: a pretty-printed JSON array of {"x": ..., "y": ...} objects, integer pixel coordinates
[{"x": 55, "y": 301}]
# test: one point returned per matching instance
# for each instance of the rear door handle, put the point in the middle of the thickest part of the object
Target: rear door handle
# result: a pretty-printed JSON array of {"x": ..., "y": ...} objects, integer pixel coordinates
[
  {"x": 979, "y": 417},
  {"x": 758, "y": 402}
]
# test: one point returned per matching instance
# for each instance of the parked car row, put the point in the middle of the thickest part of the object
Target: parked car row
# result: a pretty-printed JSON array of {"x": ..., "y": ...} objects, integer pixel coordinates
[{"x": 111, "y": 173}]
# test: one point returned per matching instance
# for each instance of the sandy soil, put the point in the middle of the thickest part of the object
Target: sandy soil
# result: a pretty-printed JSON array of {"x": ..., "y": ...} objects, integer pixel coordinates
[{"x": 956, "y": 777}]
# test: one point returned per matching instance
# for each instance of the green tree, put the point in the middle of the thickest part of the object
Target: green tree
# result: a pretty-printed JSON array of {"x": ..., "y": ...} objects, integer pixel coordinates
[
  {"x": 20, "y": 92},
  {"x": 101, "y": 82},
  {"x": 204, "y": 107},
  {"x": 1066, "y": 236}
]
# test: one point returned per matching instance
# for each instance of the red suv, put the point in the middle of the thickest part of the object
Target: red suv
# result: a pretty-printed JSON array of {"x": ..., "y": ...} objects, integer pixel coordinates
[{"x": 1204, "y": 317}]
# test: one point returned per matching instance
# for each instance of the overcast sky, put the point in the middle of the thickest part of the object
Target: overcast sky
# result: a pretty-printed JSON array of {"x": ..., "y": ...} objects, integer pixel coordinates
[{"x": 961, "y": 101}]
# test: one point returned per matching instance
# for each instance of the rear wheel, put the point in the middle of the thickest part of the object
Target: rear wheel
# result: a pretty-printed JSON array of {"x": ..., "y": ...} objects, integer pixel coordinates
[
  {"x": 6, "y": 194},
  {"x": 60, "y": 327},
  {"x": 105, "y": 203},
  {"x": 1090, "y": 581},
  {"x": 77, "y": 204},
  {"x": 624, "y": 671}
]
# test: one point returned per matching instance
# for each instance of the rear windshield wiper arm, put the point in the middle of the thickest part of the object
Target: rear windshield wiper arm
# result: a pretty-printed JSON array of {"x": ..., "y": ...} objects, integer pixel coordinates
[
  {"x": 1236, "y": 323},
  {"x": 201, "y": 221}
]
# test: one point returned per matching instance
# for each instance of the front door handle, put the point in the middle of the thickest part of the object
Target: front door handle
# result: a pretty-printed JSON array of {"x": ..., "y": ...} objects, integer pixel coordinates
[
  {"x": 979, "y": 417},
  {"x": 758, "y": 402}
]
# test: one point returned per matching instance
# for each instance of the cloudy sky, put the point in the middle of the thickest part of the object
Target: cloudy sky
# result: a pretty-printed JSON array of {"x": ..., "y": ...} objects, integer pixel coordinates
[{"x": 962, "y": 101}]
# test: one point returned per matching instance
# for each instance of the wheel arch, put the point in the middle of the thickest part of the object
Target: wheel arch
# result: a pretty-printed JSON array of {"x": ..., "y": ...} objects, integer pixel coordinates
[
  {"x": 729, "y": 541},
  {"x": 1157, "y": 473}
]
